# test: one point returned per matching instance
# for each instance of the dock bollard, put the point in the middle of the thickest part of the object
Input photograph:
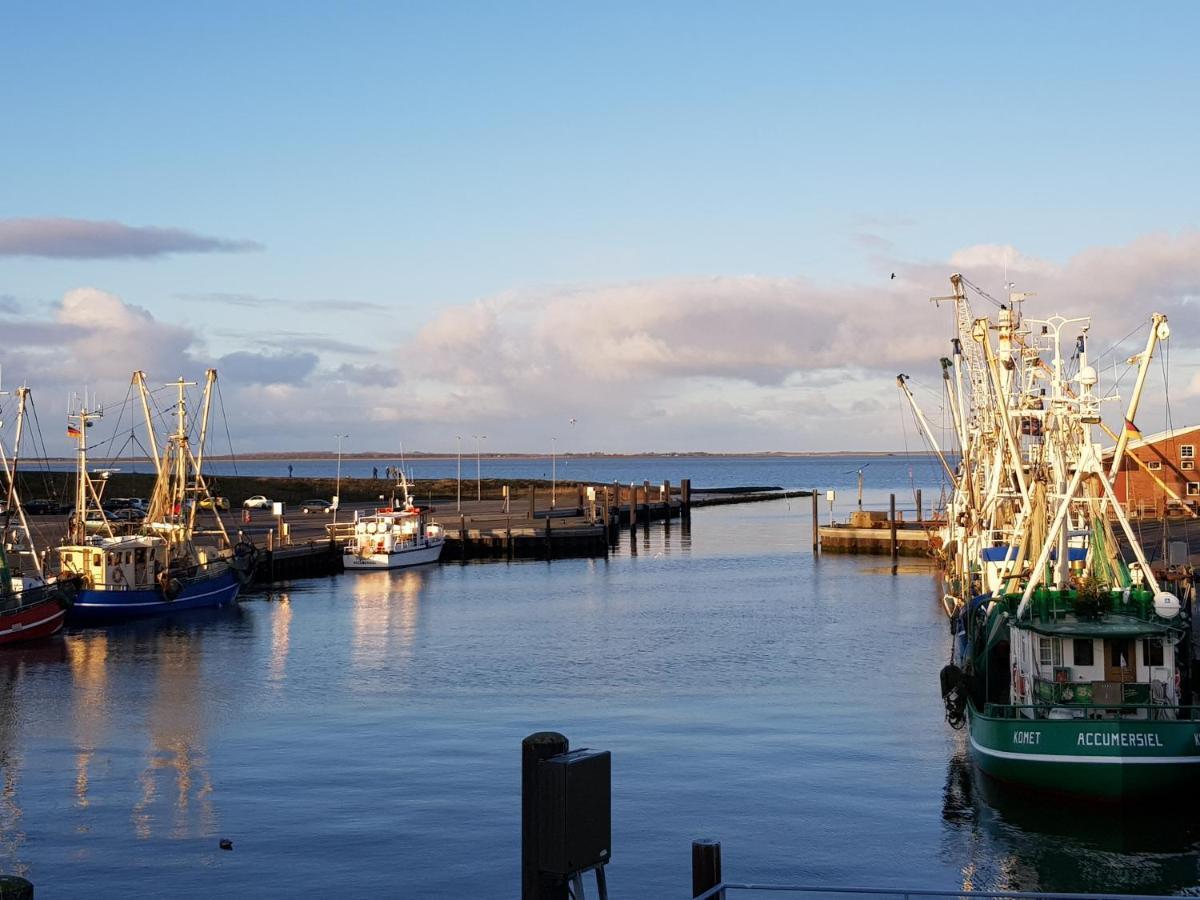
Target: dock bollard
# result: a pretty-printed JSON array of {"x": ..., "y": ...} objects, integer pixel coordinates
[
  {"x": 816, "y": 524},
  {"x": 706, "y": 867},
  {"x": 892, "y": 530}
]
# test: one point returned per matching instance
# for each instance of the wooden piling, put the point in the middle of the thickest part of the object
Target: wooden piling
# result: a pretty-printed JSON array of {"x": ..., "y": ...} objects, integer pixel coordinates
[
  {"x": 646, "y": 498},
  {"x": 633, "y": 507},
  {"x": 706, "y": 867},
  {"x": 685, "y": 496},
  {"x": 892, "y": 529},
  {"x": 462, "y": 538},
  {"x": 535, "y": 748},
  {"x": 816, "y": 524},
  {"x": 920, "y": 512},
  {"x": 508, "y": 537},
  {"x": 549, "y": 542}
]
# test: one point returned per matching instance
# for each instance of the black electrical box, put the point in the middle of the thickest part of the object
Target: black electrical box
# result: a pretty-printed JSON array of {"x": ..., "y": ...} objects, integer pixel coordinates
[{"x": 574, "y": 811}]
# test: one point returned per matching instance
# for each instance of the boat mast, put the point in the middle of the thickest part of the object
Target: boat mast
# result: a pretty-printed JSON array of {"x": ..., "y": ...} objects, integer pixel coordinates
[
  {"x": 14, "y": 498},
  {"x": 139, "y": 379},
  {"x": 84, "y": 487}
]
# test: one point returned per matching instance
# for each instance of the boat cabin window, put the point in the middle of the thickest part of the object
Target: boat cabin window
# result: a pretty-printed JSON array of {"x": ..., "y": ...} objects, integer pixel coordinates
[
  {"x": 1193, "y": 489},
  {"x": 1050, "y": 651},
  {"x": 1187, "y": 451},
  {"x": 1084, "y": 652},
  {"x": 141, "y": 554},
  {"x": 1152, "y": 651},
  {"x": 128, "y": 556},
  {"x": 1187, "y": 465},
  {"x": 97, "y": 560},
  {"x": 1154, "y": 465}
]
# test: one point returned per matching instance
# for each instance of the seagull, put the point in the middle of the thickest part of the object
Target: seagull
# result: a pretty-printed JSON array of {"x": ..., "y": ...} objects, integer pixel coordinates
[
  {"x": 572, "y": 421},
  {"x": 893, "y": 276}
]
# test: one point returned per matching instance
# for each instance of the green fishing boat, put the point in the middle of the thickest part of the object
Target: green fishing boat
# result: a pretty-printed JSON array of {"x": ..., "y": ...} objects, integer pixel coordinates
[{"x": 1071, "y": 653}]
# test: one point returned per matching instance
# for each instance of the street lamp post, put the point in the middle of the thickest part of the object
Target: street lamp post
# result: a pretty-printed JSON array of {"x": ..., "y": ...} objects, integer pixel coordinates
[
  {"x": 478, "y": 482},
  {"x": 458, "y": 437},
  {"x": 553, "y": 470},
  {"x": 337, "y": 489}
]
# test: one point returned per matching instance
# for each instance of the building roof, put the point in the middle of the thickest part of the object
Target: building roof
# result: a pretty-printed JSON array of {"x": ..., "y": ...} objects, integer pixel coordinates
[{"x": 1155, "y": 438}]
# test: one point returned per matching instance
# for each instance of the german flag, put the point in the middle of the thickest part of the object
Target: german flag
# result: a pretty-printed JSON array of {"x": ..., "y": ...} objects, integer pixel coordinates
[
  {"x": 72, "y": 431},
  {"x": 1131, "y": 431}
]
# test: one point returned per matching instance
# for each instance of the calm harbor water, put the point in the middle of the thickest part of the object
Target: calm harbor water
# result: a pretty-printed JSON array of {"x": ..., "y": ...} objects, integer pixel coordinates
[{"x": 361, "y": 734}]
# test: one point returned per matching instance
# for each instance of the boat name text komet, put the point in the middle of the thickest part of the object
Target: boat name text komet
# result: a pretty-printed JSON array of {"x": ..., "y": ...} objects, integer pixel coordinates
[
  {"x": 1027, "y": 737},
  {"x": 1104, "y": 739}
]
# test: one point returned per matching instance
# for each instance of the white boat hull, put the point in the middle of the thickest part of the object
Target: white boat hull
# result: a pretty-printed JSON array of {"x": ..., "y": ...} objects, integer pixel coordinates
[{"x": 397, "y": 559}]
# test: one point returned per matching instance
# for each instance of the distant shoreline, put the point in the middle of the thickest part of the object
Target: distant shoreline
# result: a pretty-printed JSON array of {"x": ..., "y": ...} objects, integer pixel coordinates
[{"x": 322, "y": 456}]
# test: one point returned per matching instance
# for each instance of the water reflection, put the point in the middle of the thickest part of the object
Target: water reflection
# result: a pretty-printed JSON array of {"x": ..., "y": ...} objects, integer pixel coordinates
[
  {"x": 177, "y": 752},
  {"x": 281, "y": 635},
  {"x": 1019, "y": 840},
  {"x": 387, "y": 608},
  {"x": 88, "y": 657}
]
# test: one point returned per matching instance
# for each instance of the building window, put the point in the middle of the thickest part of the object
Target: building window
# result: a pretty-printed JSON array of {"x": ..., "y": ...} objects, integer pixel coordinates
[
  {"x": 1084, "y": 652},
  {"x": 1193, "y": 489},
  {"x": 1049, "y": 651},
  {"x": 1187, "y": 451},
  {"x": 1187, "y": 465},
  {"x": 1152, "y": 651},
  {"x": 1154, "y": 465}
]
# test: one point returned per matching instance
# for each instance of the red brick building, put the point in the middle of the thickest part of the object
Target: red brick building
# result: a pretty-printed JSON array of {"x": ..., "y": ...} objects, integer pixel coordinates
[{"x": 1172, "y": 458}]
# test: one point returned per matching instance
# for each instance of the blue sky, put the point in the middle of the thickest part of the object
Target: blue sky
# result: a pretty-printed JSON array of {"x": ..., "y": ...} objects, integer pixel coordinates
[{"x": 413, "y": 163}]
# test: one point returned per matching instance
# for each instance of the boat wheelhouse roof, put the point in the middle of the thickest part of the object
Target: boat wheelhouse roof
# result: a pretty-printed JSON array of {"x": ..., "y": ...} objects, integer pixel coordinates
[{"x": 1110, "y": 627}]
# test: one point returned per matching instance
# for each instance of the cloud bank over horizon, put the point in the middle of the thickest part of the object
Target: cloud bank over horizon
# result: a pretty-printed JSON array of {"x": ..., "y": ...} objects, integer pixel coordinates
[{"x": 719, "y": 363}]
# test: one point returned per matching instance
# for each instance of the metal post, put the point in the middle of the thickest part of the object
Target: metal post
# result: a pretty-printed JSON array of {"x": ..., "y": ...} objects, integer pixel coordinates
[
  {"x": 706, "y": 867},
  {"x": 535, "y": 748},
  {"x": 478, "y": 481}
]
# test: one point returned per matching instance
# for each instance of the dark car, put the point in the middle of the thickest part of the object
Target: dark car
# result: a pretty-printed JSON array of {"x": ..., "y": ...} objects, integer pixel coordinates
[
  {"x": 316, "y": 506},
  {"x": 43, "y": 507}
]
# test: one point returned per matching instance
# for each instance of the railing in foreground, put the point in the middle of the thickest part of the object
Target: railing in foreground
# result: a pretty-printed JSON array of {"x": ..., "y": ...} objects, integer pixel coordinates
[
  {"x": 707, "y": 884},
  {"x": 719, "y": 892}
]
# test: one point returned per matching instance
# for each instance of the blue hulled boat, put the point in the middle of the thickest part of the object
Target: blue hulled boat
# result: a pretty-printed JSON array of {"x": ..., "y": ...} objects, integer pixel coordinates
[{"x": 163, "y": 563}]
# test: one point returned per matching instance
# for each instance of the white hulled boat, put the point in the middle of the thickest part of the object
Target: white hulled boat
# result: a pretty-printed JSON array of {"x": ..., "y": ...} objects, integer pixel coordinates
[{"x": 394, "y": 537}]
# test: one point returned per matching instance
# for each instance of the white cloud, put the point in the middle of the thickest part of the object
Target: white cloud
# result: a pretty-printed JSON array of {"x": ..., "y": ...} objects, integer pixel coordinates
[{"x": 737, "y": 362}]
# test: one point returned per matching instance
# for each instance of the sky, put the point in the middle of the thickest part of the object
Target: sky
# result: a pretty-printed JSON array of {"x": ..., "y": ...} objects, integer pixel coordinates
[{"x": 673, "y": 223}]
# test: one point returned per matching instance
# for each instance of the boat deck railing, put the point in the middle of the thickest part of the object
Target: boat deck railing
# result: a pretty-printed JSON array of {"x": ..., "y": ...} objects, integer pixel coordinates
[
  {"x": 1158, "y": 711},
  {"x": 731, "y": 888}
]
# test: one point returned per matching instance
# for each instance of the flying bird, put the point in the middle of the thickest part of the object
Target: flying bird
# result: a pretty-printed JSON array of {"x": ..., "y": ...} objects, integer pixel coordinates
[{"x": 893, "y": 276}]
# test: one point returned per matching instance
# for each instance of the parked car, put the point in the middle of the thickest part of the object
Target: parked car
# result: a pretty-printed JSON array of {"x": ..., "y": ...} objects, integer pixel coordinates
[
  {"x": 95, "y": 521},
  {"x": 115, "y": 503},
  {"x": 258, "y": 501},
  {"x": 316, "y": 506},
  {"x": 43, "y": 507},
  {"x": 129, "y": 514},
  {"x": 221, "y": 503}
]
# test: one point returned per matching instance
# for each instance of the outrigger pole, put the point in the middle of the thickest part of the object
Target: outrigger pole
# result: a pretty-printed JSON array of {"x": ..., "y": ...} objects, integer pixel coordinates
[
  {"x": 1159, "y": 330},
  {"x": 901, "y": 380}
]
